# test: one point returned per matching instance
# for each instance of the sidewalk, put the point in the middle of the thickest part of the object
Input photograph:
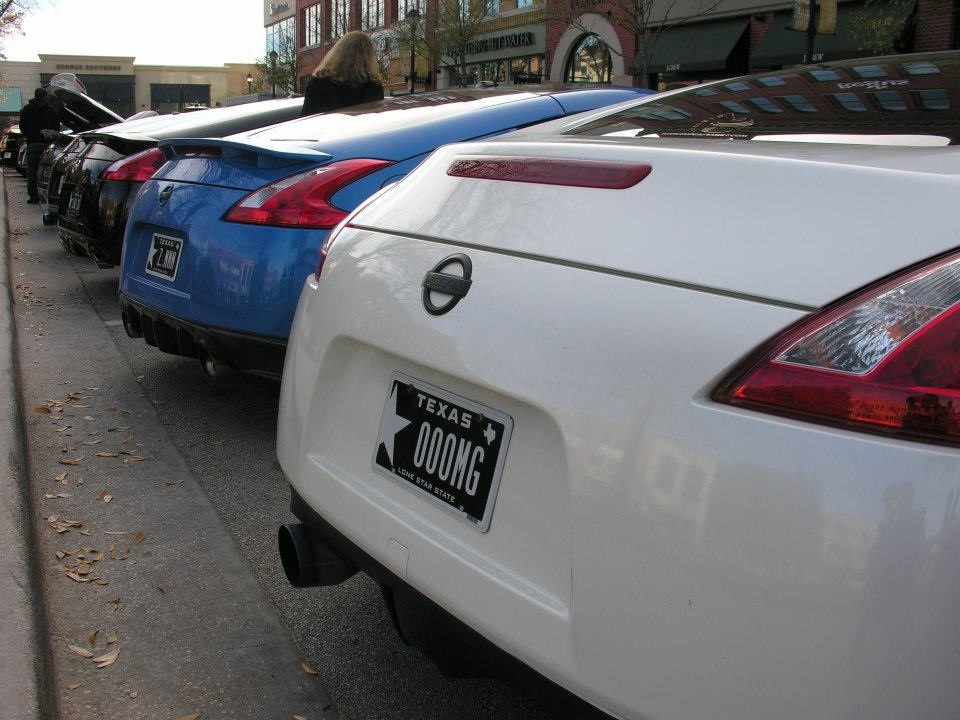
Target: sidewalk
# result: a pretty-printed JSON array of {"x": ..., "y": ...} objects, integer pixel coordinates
[
  {"x": 21, "y": 662},
  {"x": 134, "y": 566}
]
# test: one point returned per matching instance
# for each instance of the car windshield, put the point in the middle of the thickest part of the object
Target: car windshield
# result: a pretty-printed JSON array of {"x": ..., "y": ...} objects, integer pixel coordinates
[{"x": 907, "y": 100}]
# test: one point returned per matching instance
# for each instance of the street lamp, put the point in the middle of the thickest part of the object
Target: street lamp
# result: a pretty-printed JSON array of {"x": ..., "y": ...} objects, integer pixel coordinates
[
  {"x": 413, "y": 17},
  {"x": 273, "y": 71},
  {"x": 249, "y": 83}
]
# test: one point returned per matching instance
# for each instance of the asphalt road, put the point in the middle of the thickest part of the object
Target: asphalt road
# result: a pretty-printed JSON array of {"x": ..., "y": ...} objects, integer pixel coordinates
[{"x": 225, "y": 432}]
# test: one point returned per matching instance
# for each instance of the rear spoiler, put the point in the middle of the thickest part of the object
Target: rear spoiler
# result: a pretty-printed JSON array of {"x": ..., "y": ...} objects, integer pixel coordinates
[{"x": 267, "y": 154}]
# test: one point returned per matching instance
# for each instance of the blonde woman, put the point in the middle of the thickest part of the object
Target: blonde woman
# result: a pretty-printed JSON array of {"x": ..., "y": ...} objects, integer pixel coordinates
[{"x": 348, "y": 75}]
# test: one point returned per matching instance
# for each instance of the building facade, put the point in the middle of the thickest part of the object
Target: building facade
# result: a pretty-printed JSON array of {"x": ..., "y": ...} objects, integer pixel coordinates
[
  {"x": 530, "y": 40},
  {"x": 128, "y": 88}
]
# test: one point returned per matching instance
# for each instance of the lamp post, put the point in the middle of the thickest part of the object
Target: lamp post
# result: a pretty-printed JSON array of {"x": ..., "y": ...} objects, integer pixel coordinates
[
  {"x": 273, "y": 72},
  {"x": 413, "y": 17},
  {"x": 249, "y": 83}
]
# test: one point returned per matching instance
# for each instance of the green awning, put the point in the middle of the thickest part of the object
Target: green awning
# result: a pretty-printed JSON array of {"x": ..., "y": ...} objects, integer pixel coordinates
[
  {"x": 782, "y": 46},
  {"x": 698, "y": 47}
]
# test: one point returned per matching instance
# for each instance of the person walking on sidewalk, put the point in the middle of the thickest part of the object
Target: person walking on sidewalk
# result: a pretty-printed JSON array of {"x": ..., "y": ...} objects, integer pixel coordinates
[
  {"x": 348, "y": 75},
  {"x": 37, "y": 115}
]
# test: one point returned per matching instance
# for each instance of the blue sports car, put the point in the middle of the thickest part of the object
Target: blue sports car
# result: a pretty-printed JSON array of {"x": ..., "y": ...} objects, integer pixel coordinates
[{"x": 220, "y": 240}]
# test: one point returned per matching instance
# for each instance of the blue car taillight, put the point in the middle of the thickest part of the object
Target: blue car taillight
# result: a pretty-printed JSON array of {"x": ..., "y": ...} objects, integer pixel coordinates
[{"x": 303, "y": 200}]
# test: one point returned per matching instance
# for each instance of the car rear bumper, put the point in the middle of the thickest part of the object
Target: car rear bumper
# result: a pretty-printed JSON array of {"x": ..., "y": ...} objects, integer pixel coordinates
[
  {"x": 253, "y": 354},
  {"x": 457, "y": 650}
]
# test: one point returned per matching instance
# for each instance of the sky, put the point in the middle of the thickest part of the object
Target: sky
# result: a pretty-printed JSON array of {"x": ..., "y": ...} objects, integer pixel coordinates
[{"x": 166, "y": 32}]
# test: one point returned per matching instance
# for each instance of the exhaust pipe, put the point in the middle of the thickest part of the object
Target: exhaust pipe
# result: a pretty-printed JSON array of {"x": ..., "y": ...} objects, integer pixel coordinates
[
  {"x": 307, "y": 561},
  {"x": 214, "y": 368}
]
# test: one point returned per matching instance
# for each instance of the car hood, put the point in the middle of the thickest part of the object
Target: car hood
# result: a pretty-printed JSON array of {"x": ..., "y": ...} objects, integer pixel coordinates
[{"x": 81, "y": 112}]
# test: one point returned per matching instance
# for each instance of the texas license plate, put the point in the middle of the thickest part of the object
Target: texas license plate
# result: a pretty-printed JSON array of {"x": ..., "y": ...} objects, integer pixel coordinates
[
  {"x": 163, "y": 258},
  {"x": 447, "y": 449}
]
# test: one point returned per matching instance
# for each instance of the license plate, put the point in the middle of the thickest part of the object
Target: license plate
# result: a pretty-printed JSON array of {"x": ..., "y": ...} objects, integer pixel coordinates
[
  {"x": 164, "y": 256},
  {"x": 73, "y": 206},
  {"x": 446, "y": 448}
]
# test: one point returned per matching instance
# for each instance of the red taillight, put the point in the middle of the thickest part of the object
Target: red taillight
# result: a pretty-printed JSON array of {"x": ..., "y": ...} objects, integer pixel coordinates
[
  {"x": 139, "y": 167},
  {"x": 550, "y": 171},
  {"x": 303, "y": 200},
  {"x": 885, "y": 361}
]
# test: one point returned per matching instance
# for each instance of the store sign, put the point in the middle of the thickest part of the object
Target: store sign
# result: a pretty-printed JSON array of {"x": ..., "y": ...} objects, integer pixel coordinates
[
  {"x": 88, "y": 68},
  {"x": 500, "y": 42}
]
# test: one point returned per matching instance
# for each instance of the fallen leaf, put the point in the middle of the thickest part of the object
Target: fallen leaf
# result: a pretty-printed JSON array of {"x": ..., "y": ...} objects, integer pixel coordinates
[
  {"x": 175, "y": 483},
  {"x": 88, "y": 417},
  {"x": 57, "y": 496},
  {"x": 112, "y": 637},
  {"x": 308, "y": 668},
  {"x": 105, "y": 496},
  {"x": 160, "y": 588},
  {"x": 138, "y": 538},
  {"x": 119, "y": 427},
  {"x": 115, "y": 601},
  {"x": 134, "y": 694},
  {"x": 76, "y": 577},
  {"x": 81, "y": 651},
  {"x": 80, "y": 481},
  {"x": 42, "y": 409},
  {"x": 62, "y": 478},
  {"x": 195, "y": 716},
  {"x": 128, "y": 438},
  {"x": 100, "y": 581},
  {"x": 107, "y": 453},
  {"x": 112, "y": 556},
  {"x": 299, "y": 717},
  {"x": 93, "y": 442},
  {"x": 73, "y": 686},
  {"x": 116, "y": 532},
  {"x": 92, "y": 638},
  {"x": 109, "y": 659},
  {"x": 70, "y": 461}
]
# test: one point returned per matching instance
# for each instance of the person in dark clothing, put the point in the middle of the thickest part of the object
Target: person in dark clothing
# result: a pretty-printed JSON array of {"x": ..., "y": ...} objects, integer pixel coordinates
[
  {"x": 348, "y": 75},
  {"x": 37, "y": 115}
]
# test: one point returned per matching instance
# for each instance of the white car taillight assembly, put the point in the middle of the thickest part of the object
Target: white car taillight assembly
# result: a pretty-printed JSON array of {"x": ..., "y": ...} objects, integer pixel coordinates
[
  {"x": 303, "y": 200},
  {"x": 886, "y": 360}
]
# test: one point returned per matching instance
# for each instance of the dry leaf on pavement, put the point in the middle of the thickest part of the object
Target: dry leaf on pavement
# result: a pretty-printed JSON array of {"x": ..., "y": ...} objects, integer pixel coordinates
[
  {"x": 105, "y": 496},
  {"x": 308, "y": 668},
  {"x": 112, "y": 637},
  {"x": 138, "y": 538},
  {"x": 134, "y": 694},
  {"x": 195, "y": 716},
  {"x": 73, "y": 686},
  {"x": 109, "y": 659},
  {"x": 92, "y": 638},
  {"x": 107, "y": 453},
  {"x": 71, "y": 461},
  {"x": 82, "y": 652},
  {"x": 42, "y": 409}
]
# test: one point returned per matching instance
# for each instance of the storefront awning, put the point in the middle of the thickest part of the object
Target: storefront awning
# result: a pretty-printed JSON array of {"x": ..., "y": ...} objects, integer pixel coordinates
[
  {"x": 697, "y": 48},
  {"x": 782, "y": 46}
]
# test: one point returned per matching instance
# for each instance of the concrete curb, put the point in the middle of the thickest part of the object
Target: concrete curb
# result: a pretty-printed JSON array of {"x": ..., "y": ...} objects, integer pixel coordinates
[{"x": 23, "y": 694}]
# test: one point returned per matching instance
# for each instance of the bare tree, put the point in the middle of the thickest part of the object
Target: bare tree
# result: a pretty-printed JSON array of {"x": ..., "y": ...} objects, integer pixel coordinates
[
  {"x": 280, "y": 73},
  {"x": 645, "y": 20}
]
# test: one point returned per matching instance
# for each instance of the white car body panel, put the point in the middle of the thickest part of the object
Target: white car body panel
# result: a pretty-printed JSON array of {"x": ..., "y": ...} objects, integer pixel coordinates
[{"x": 659, "y": 555}]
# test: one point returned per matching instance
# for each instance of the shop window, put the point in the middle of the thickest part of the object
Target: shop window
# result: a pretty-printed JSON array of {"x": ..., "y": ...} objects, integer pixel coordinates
[
  {"x": 339, "y": 18},
  {"x": 733, "y": 106},
  {"x": 933, "y": 99},
  {"x": 890, "y": 100},
  {"x": 589, "y": 62},
  {"x": 373, "y": 14},
  {"x": 869, "y": 71},
  {"x": 823, "y": 75},
  {"x": 311, "y": 25},
  {"x": 799, "y": 103},
  {"x": 920, "y": 68},
  {"x": 765, "y": 105},
  {"x": 848, "y": 101}
]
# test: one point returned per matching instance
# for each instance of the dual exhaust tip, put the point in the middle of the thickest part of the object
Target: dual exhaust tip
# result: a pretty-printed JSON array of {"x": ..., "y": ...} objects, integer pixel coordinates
[{"x": 307, "y": 561}]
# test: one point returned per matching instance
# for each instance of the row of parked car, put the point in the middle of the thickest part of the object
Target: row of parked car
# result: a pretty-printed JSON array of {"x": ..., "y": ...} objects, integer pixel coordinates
[{"x": 646, "y": 403}]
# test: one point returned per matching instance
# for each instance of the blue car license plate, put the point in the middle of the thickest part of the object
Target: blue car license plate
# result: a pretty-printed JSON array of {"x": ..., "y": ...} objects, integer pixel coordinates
[
  {"x": 163, "y": 259},
  {"x": 443, "y": 447}
]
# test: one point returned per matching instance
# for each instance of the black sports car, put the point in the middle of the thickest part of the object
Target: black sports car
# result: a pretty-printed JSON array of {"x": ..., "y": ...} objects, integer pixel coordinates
[{"x": 101, "y": 182}]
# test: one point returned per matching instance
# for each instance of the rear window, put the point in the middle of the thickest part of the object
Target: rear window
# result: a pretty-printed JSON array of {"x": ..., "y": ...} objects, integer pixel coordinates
[{"x": 893, "y": 97}]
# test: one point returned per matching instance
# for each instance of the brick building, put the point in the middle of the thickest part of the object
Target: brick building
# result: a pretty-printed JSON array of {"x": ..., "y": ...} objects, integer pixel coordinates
[{"x": 530, "y": 40}]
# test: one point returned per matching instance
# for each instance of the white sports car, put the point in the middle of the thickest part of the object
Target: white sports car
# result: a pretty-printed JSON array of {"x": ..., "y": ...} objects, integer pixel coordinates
[{"x": 657, "y": 409}]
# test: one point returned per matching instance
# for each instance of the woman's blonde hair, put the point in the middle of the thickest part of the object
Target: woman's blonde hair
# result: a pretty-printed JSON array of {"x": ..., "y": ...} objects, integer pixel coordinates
[{"x": 351, "y": 61}]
